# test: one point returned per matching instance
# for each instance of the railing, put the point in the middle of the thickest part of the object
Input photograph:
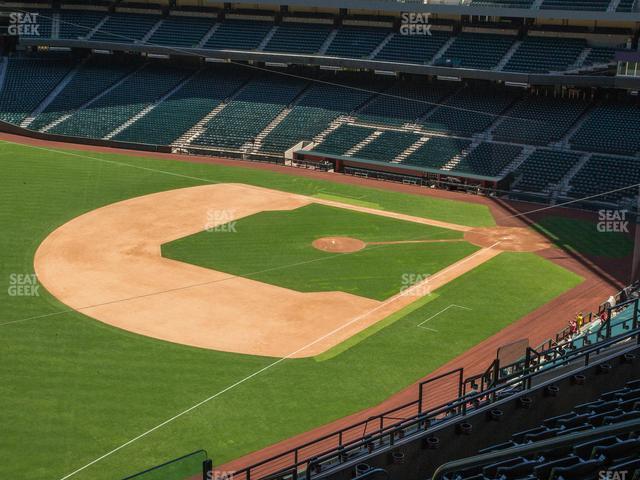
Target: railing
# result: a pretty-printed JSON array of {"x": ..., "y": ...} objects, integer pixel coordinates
[
  {"x": 386, "y": 428},
  {"x": 531, "y": 448}
]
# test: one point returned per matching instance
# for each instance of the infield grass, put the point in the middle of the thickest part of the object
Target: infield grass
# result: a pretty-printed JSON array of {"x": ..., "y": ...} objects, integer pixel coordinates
[
  {"x": 74, "y": 388},
  {"x": 276, "y": 248}
]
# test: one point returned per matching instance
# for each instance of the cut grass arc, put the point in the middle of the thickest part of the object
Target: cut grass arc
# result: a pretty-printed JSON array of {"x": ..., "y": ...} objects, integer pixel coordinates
[
  {"x": 75, "y": 388},
  {"x": 379, "y": 271}
]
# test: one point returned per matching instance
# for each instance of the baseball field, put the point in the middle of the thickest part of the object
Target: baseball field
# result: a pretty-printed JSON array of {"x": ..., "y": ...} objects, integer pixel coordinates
[{"x": 286, "y": 302}]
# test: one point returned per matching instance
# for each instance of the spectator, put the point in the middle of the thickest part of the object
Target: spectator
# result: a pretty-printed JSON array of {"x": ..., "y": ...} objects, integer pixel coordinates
[{"x": 573, "y": 327}]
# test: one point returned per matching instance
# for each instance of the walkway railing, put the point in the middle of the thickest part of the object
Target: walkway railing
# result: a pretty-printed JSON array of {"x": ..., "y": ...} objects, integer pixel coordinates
[{"x": 459, "y": 396}]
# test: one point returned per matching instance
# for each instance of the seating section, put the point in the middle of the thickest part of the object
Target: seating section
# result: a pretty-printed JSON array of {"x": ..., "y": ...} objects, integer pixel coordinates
[
  {"x": 320, "y": 105},
  {"x": 589, "y": 459},
  {"x": 403, "y": 103},
  {"x": 413, "y": 48},
  {"x": 603, "y": 174},
  {"x": 181, "y": 31},
  {"x": 27, "y": 83},
  {"x": 92, "y": 79},
  {"x": 342, "y": 139},
  {"x": 127, "y": 99},
  {"x": 539, "y": 120},
  {"x": 586, "y": 5},
  {"x": 356, "y": 42},
  {"x": 488, "y": 159},
  {"x": 469, "y": 111},
  {"x": 437, "y": 152},
  {"x": 610, "y": 128},
  {"x": 118, "y": 97},
  {"x": 257, "y": 104},
  {"x": 298, "y": 38},
  {"x": 387, "y": 146},
  {"x": 599, "y": 55},
  {"x": 76, "y": 24},
  {"x": 543, "y": 54},
  {"x": 544, "y": 168},
  {"x": 468, "y": 50},
  {"x": 625, "y": 6},
  {"x": 125, "y": 28},
  {"x": 239, "y": 34},
  {"x": 193, "y": 101},
  {"x": 473, "y": 50}
]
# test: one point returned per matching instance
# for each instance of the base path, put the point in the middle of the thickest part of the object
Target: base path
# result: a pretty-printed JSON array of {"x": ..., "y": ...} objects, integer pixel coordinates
[{"x": 107, "y": 263}]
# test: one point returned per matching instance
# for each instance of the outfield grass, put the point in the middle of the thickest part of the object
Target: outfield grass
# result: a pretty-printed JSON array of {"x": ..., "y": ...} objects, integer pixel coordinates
[
  {"x": 283, "y": 238},
  {"x": 74, "y": 388},
  {"x": 582, "y": 236}
]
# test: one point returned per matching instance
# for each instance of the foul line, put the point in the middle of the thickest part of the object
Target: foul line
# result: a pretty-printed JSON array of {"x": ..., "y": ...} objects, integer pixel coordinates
[
  {"x": 238, "y": 383},
  {"x": 421, "y": 324}
]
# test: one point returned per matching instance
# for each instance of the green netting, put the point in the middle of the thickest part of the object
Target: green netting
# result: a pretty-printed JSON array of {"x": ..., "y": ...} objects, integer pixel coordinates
[{"x": 181, "y": 468}]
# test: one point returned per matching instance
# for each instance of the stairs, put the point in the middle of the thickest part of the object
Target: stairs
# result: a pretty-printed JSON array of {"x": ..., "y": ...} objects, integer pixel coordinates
[
  {"x": 581, "y": 58},
  {"x": 377, "y": 50},
  {"x": 265, "y": 41},
  {"x": 437, "y": 104},
  {"x": 200, "y": 126},
  {"x": 342, "y": 119},
  {"x": 97, "y": 27},
  {"x": 440, "y": 53},
  {"x": 536, "y": 4},
  {"x": 356, "y": 148},
  {"x": 150, "y": 107},
  {"x": 208, "y": 35},
  {"x": 613, "y": 6},
  {"x": 412, "y": 148},
  {"x": 488, "y": 133},
  {"x": 453, "y": 163},
  {"x": 566, "y": 180},
  {"x": 327, "y": 42},
  {"x": 150, "y": 33},
  {"x": 257, "y": 143},
  {"x": 564, "y": 141},
  {"x": 55, "y": 26},
  {"x": 54, "y": 93},
  {"x": 519, "y": 160},
  {"x": 92, "y": 101},
  {"x": 508, "y": 55}
]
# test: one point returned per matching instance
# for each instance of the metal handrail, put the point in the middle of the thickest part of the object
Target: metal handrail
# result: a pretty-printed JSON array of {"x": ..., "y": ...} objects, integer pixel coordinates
[
  {"x": 521, "y": 377},
  {"x": 529, "y": 448},
  {"x": 459, "y": 407}
]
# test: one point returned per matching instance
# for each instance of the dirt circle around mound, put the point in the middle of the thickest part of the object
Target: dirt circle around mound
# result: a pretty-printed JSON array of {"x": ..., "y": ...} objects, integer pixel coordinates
[
  {"x": 511, "y": 239},
  {"x": 338, "y": 244}
]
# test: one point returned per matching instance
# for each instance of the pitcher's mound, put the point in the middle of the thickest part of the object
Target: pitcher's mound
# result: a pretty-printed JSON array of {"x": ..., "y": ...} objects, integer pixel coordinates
[{"x": 338, "y": 244}]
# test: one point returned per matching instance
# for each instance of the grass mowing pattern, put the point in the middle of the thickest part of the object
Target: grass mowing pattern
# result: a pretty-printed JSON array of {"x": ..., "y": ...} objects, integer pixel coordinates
[
  {"x": 269, "y": 240},
  {"x": 74, "y": 388}
]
